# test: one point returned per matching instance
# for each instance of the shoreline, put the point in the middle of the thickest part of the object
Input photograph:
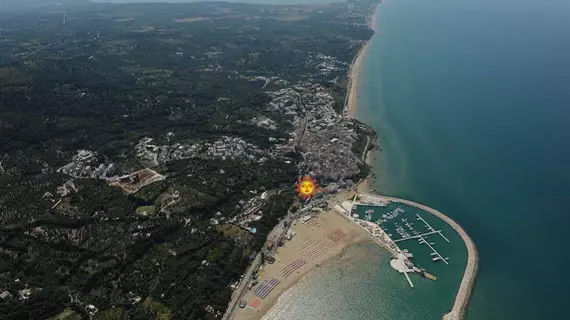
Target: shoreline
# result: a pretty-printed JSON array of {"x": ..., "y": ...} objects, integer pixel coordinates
[
  {"x": 462, "y": 298},
  {"x": 361, "y": 236},
  {"x": 351, "y": 100},
  {"x": 315, "y": 242},
  {"x": 465, "y": 290},
  {"x": 357, "y": 234}
]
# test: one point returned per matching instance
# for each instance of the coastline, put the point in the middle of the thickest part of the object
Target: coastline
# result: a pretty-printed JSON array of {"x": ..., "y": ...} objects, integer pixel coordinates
[
  {"x": 360, "y": 236},
  {"x": 292, "y": 251},
  {"x": 465, "y": 290},
  {"x": 324, "y": 237},
  {"x": 355, "y": 68}
]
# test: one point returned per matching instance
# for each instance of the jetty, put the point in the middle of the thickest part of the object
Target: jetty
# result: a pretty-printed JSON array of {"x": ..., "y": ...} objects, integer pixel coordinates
[
  {"x": 466, "y": 287},
  {"x": 400, "y": 258}
]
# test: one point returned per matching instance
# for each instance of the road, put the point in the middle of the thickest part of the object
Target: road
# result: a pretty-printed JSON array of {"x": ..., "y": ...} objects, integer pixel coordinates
[
  {"x": 278, "y": 233},
  {"x": 242, "y": 289}
]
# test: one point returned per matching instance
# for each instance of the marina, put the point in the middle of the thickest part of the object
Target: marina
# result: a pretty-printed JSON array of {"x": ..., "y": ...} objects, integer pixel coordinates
[
  {"x": 397, "y": 225},
  {"x": 422, "y": 238},
  {"x": 417, "y": 243}
]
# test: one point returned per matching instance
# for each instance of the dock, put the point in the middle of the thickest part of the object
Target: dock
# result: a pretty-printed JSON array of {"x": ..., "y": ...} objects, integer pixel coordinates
[
  {"x": 431, "y": 228},
  {"x": 409, "y": 280},
  {"x": 435, "y": 251},
  {"x": 416, "y": 237},
  {"x": 465, "y": 288},
  {"x": 401, "y": 264},
  {"x": 400, "y": 261}
]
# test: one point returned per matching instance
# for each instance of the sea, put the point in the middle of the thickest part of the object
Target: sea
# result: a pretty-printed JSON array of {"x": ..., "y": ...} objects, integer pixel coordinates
[{"x": 471, "y": 100}]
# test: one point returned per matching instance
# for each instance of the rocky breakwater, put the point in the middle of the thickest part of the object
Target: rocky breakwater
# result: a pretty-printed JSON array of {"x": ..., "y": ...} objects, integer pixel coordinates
[{"x": 466, "y": 287}]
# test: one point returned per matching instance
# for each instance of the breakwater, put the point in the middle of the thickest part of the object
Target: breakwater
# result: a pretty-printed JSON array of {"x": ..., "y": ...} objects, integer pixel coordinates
[{"x": 466, "y": 287}]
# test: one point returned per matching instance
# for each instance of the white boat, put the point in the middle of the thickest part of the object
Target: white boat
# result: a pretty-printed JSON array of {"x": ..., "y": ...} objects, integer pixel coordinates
[
  {"x": 436, "y": 259},
  {"x": 433, "y": 254}
]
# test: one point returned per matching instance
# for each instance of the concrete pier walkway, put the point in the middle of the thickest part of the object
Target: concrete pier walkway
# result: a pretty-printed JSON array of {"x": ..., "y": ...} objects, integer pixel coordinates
[{"x": 464, "y": 293}]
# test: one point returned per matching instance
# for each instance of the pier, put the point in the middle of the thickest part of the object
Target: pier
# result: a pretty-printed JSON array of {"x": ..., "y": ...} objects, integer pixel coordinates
[
  {"x": 433, "y": 250},
  {"x": 430, "y": 227},
  {"x": 400, "y": 264},
  {"x": 465, "y": 288},
  {"x": 416, "y": 237},
  {"x": 424, "y": 240},
  {"x": 400, "y": 261}
]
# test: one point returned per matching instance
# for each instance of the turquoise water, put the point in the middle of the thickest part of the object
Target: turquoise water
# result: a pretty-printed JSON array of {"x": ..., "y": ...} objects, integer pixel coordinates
[
  {"x": 449, "y": 275},
  {"x": 361, "y": 285},
  {"x": 350, "y": 288},
  {"x": 472, "y": 101}
]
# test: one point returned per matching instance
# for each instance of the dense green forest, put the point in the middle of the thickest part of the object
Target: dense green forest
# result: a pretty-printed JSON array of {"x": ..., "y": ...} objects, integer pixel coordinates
[{"x": 102, "y": 77}]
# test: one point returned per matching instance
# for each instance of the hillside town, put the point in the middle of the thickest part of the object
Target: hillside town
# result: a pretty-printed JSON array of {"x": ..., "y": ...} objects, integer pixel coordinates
[{"x": 142, "y": 177}]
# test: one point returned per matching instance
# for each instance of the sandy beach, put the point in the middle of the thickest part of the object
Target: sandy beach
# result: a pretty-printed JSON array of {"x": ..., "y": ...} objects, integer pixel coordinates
[
  {"x": 354, "y": 73},
  {"x": 326, "y": 235}
]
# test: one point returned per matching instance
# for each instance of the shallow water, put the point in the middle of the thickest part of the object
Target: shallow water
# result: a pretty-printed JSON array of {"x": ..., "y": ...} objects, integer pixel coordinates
[
  {"x": 362, "y": 285},
  {"x": 359, "y": 285},
  {"x": 472, "y": 101}
]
